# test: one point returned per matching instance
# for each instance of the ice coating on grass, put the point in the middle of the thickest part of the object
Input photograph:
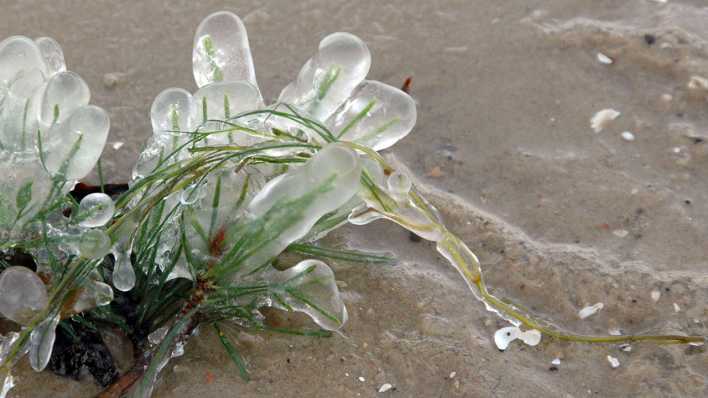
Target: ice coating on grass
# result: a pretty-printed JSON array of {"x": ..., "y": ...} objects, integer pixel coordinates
[
  {"x": 94, "y": 294},
  {"x": 65, "y": 93},
  {"x": 224, "y": 100},
  {"x": 324, "y": 183},
  {"x": 94, "y": 243},
  {"x": 329, "y": 77},
  {"x": 376, "y": 115},
  {"x": 42, "y": 341},
  {"x": 22, "y": 294},
  {"x": 95, "y": 210},
  {"x": 221, "y": 51},
  {"x": 310, "y": 287},
  {"x": 77, "y": 143},
  {"x": 53, "y": 55}
]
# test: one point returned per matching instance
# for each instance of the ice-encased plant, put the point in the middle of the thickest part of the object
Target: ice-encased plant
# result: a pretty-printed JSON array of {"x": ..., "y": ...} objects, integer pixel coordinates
[
  {"x": 228, "y": 191},
  {"x": 50, "y": 137}
]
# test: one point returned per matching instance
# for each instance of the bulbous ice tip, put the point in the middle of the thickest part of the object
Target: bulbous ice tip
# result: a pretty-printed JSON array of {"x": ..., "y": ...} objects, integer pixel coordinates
[
  {"x": 22, "y": 294},
  {"x": 76, "y": 144},
  {"x": 95, "y": 210},
  {"x": 223, "y": 100},
  {"x": 53, "y": 55},
  {"x": 65, "y": 93},
  {"x": 221, "y": 50},
  {"x": 19, "y": 53},
  {"x": 173, "y": 110}
]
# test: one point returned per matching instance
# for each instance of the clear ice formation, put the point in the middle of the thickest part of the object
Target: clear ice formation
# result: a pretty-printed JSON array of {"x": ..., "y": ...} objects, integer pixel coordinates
[
  {"x": 47, "y": 127},
  {"x": 22, "y": 294},
  {"x": 42, "y": 342},
  {"x": 310, "y": 287},
  {"x": 95, "y": 210}
]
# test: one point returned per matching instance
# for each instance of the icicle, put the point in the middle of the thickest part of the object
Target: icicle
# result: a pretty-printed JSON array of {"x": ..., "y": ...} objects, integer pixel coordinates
[{"x": 42, "y": 342}]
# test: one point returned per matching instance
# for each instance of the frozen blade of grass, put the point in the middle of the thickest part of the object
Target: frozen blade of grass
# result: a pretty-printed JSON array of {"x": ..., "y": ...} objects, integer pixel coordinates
[
  {"x": 340, "y": 254},
  {"x": 235, "y": 356}
]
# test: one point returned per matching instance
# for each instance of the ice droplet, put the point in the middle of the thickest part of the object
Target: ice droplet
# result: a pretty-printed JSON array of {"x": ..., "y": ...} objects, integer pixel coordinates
[
  {"x": 399, "y": 184},
  {"x": 19, "y": 53},
  {"x": 310, "y": 287},
  {"x": 42, "y": 342},
  {"x": 22, "y": 294},
  {"x": 173, "y": 111},
  {"x": 94, "y": 294},
  {"x": 123, "y": 272},
  {"x": 329, "y": 77},
  {"x": 95, "y": 210},
  {"x": 76, "y": 144},
  {"x": 221, "y": 51},
  {"x": 376, "y": 115},
  {"x": 52, "y": 54},
  {"x": 65, "y": 93}
]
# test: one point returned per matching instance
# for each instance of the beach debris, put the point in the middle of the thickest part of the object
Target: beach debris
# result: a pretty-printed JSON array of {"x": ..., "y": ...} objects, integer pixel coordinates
[
  {"x": 117, "y": 145},
  {"x": 655, "y": 295},
  {"x": 698, "y": 83},
  {"x": 362, "y": 379},
  {"x": 603, "y": 118},
  {"x": 385, "y": 387},
  {"x": 556, "y": 362},
  {"x": 614, "y": 332},
  {"x": 452, "y": 375},
  {"x": 677, "y": 308},
  {"x": 590, "y": 310},
  {"x": 604, "y": 59},
  {"x": 504, "y": 336},
  {"x": 614, "y": 362},
  {"x": 620, "y": 233},
  {"x": 626, "y": 347},
  {"x": 627, "y": 136}
]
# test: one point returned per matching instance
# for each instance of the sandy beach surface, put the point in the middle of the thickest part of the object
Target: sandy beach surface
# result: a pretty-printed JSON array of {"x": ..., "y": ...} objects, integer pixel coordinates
[{"x": 561, "y": 216}]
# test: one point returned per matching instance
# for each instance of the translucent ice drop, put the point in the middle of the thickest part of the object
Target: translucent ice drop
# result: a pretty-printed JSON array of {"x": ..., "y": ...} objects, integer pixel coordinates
[
  {"x": 310, "y": 287},
  {"x": 76, "y": 144},
  {"x": 18, "y": 53},
  {"x": 123, "y": 272},
  {"x": 224, "y": 100},
  {"x": 65, "y": 93},
  {"x": 42, "y": 342},
  {"x": 173, "y": 111},
  {"x": 377, "y": 115},
  {"x": 221, "y": 51},
  {"x": 329, "y": 77},
  {"x": 52, "y": 54},
  {"x": 22, "y": 294},
  {"x": 95, "y": 210}
]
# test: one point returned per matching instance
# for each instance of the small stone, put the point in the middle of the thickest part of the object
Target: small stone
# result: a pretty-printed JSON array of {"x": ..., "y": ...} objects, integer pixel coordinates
[
  {"x": 556, "y": 362},
  {"x": 452, "y": 375},
  {"x": 117, "y": 145},
  {"x": 698, "y": 83},
  {"x": 677, "y": 308},
  {"x": 614, "y": 362},
  {"x": 625, "y": 347},
  {"x": 361, "y": 379}
]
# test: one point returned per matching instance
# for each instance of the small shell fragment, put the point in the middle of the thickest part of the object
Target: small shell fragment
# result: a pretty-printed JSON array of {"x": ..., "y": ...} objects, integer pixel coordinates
[
  {"x": 385, "y": 387},
  {"x": 625, "y": 347},
  {"x": 627, "y": 136},
  {"x": 614, "y": 362},
  {"x": 590, "y": 310},
  {"x": 603, "y": 118},
  {"x": 698, "y": 83},
  {"x": 452, "y": 375},
  {"x": 531, "y": 337},
  {"x": 677, "y": 308},
  {"x": 620, "y": 233},
  {"x": 604, "y": 59},
  {"x": 556, "y": 362},
  {"x": 504, "y": 336},
  {"x": 655, "y": 295}
]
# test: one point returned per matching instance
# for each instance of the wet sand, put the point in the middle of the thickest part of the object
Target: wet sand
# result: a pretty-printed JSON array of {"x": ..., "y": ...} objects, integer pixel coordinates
[{"x": 560, "y": 216}]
